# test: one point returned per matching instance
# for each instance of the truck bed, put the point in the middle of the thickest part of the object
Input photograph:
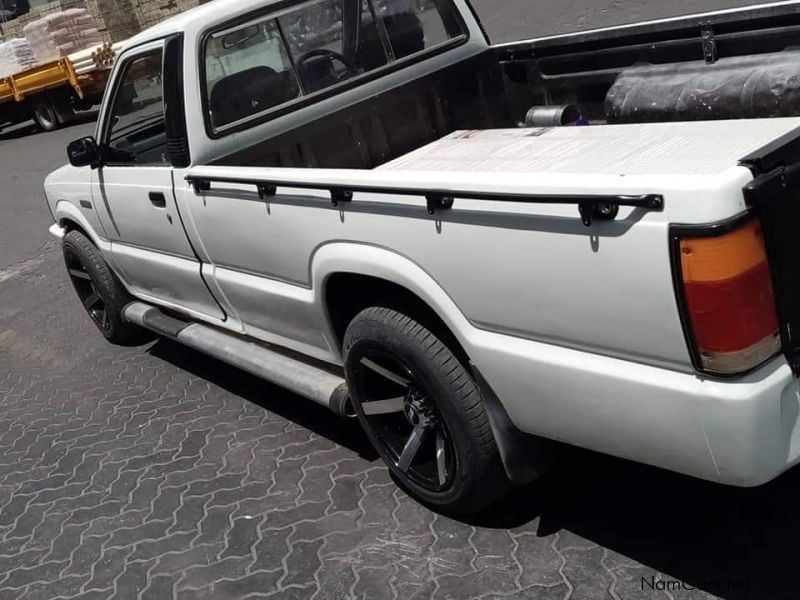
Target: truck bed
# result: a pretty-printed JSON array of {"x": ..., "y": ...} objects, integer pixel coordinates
[
  {"x": 681, "y": 149},
  {"x": 679, "y": 70},
  {"x": 39, "y": 79},
  {"x": 686, "y": 172}
]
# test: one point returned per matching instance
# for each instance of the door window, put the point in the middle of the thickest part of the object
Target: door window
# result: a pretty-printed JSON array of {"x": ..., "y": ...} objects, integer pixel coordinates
[{"x": 136, "y": 131}]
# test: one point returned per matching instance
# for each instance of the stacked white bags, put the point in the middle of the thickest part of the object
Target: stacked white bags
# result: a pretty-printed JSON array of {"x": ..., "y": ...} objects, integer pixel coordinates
[
  {"x": 15, "y": 55},
  {"x": 57, "y": 35}
]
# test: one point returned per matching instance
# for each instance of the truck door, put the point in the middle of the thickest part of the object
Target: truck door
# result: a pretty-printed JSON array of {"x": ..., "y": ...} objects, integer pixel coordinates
[{"x": 134, "y": 191}]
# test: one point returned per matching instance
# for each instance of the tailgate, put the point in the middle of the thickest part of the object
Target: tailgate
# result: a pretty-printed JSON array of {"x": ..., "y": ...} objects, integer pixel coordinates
[{"x": 774, "y": 197}]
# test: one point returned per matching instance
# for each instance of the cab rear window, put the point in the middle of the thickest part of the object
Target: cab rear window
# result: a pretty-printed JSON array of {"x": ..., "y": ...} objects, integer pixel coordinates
[
  {"x": 248, "y": 71},
  {"x": 258, "y": 66}
]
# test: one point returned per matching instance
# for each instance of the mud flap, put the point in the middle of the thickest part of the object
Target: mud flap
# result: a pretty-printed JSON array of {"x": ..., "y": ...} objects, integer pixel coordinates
[{"x": 526, "y": 458}]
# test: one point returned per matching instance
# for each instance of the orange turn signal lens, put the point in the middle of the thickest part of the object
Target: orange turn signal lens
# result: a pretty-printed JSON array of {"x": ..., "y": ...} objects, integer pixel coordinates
[{"x": 724, "y": 257}]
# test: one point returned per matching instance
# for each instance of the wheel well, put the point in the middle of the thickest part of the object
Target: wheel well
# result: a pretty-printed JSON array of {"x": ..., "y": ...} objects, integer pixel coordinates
[
  {"x": 347, "y": 294},
  {"x": 70, "y": 225}
]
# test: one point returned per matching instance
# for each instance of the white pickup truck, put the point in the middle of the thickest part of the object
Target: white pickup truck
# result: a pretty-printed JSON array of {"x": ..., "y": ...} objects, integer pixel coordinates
[{"x": 477, "y": 250}]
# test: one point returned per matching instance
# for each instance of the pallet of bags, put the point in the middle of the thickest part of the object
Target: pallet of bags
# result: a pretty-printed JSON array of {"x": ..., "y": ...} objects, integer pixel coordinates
[
  {"x": 16, "y": 55},
  {"x": 60, "y": 34}
]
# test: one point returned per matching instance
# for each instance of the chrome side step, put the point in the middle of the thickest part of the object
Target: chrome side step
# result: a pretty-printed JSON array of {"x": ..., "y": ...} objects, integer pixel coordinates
[{"x": 304, "y": 379}]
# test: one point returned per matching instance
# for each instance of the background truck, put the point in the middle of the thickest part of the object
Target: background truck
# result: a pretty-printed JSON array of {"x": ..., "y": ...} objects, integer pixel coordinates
[
  {"x": 475, "y": 249},
  {"x": 51, "y": 93},
  {"x": 60, "y": 66}
]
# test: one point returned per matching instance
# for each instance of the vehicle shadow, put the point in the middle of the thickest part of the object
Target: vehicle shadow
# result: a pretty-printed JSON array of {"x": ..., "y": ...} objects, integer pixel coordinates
[
  {"x": 318, "y": 419},
  {"x": 733, "y": 543},
  {"x": 16, "y": 132},
  {"x": 81, "y": 118},
  {"x": 737, "y": 544}
]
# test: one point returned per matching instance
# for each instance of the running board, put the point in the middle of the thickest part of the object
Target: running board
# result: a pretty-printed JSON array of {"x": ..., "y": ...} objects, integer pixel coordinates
[{"x": 304, "y": 379}]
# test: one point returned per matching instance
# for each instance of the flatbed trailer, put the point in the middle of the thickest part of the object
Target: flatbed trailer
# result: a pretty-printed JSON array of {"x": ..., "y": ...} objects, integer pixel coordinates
[{"x": 50, "y": 93}]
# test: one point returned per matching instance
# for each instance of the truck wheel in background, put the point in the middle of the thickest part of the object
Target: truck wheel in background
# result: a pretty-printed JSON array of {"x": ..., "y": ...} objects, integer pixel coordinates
[
  {"x": 45, "y": 115},
  {"x": 63, "y": 106},
  {"x": 65, "y": 114},
  {"x": 101, "y": 293},
  {"x": 53, "y": 109},
  {"x": 423, "y": 412}
]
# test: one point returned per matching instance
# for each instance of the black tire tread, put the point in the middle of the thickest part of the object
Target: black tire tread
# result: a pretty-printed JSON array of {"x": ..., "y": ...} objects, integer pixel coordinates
[
  {"x": 467, "y": 396},
  {"x": 53, "y": 124},
  {"x": 114, "y": 293}
]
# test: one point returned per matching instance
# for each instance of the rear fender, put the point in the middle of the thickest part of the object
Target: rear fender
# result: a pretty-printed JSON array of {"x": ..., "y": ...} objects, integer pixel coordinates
[
  {"x": 521, "y": 453},
  {"x": 374, "y": 261}
]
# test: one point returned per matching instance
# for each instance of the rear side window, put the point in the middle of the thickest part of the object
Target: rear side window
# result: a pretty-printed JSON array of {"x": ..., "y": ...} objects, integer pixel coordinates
[
  {"x": 414, "y": 25},
  {"x": 306, "y": 49},
  {"x": 332, "y": 41},
  {"x": 248, "y": 71}
]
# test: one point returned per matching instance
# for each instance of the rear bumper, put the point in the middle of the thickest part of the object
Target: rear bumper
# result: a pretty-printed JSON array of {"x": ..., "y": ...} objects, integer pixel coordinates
[
  {"x": 753, "y": 426},
  {"x": 742, "y": 432}
]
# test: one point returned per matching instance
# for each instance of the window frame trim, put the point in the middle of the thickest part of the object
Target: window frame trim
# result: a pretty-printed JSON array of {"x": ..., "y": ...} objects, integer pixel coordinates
[
  {"x": 105, "y": 124},
  {"x": 304, "y": 100}
]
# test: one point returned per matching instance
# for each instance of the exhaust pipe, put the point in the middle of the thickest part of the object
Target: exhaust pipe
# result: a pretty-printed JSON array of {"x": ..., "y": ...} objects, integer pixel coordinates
[
  {"x": 552, "y": 116},
  {"x": 302, "y": 378}
]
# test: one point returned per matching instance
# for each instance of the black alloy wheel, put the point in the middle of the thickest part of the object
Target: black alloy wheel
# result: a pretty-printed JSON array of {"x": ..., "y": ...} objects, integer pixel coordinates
[
  {"x": 405, "y": 421},
  {"x": 422, "y": 411},
  {"x": 99, "y": 290},
  {"x": 88, "y": 293}
]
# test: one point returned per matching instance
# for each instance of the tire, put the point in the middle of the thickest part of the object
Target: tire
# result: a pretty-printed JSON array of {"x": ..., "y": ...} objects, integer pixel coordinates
[
  {"x": 422, "y": 392},
  {"x": 65, "y": 114},
  {"x": 45, "y": 115},
  {"x": 99, "y": 290}
]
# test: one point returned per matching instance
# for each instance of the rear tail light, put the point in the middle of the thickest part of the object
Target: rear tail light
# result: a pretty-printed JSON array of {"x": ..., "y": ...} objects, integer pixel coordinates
[{"x": 732, "y": 321}]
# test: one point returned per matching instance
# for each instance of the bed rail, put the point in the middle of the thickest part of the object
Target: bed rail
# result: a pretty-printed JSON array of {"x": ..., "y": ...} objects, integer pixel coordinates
[{"x": 601, "y": 207}]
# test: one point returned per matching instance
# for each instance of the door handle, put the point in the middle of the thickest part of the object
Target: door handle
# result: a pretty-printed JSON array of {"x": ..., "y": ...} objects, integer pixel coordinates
[{"x": 158, "y": 199}]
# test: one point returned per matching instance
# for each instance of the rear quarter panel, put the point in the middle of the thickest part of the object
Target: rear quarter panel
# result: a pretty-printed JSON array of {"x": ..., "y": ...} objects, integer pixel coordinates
[{"x": 533, "y": 272}]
